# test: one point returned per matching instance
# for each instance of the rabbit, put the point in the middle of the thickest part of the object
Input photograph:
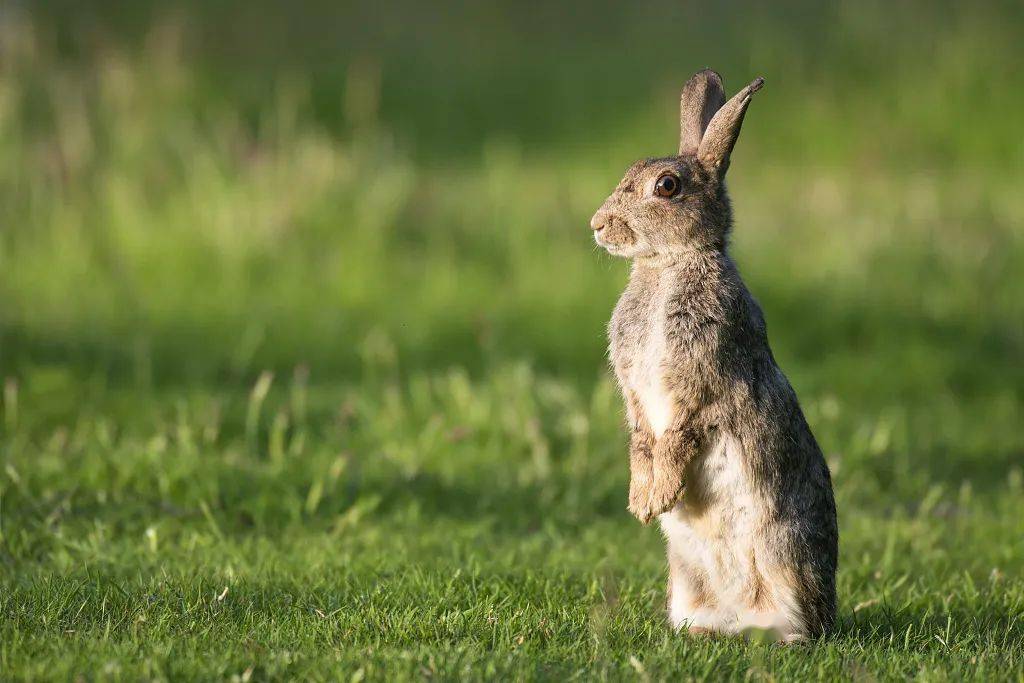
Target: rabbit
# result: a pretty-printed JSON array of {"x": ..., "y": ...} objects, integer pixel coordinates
[{"x": 719, "y": 450}]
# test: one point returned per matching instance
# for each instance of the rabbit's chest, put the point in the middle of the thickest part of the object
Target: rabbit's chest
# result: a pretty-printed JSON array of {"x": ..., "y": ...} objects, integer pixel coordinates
[{"x": 642, "y": 357}]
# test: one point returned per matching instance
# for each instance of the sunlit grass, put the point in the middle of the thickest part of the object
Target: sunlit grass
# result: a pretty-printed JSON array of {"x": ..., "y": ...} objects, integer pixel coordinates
[{"x": 464, "y": 528}]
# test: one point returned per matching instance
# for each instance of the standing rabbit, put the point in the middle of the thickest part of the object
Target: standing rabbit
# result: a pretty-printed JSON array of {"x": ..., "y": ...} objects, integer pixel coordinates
[{"x": 719, "y": 449}]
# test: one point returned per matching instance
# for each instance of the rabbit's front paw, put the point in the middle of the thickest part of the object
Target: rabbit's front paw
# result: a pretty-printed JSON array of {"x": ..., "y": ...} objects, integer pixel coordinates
[
  {"x": 666, "y": 489},
  {"x": 641, "y": 475},
  {"x": 640, "y": 484}
]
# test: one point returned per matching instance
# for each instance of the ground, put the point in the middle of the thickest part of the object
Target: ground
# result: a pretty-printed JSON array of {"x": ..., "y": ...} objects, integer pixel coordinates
[{"x": 295, "y": 395}]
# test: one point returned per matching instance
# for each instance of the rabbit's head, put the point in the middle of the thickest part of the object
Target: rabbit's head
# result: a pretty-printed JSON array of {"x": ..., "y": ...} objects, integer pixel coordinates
[{"x": 673, "y": 203}]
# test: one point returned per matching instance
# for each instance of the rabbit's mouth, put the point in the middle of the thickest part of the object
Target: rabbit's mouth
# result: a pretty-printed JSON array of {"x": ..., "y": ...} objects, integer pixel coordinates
[{"x": 622, "y": 243}]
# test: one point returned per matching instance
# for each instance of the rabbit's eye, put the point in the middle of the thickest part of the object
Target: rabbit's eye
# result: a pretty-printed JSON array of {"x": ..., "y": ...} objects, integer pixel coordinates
[{"x": 666, "y": 186}]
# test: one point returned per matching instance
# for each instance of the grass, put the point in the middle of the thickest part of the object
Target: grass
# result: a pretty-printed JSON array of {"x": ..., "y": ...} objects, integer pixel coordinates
[
  {"x": 309, "y": 384},
  {"x": 441, "y": 526}
]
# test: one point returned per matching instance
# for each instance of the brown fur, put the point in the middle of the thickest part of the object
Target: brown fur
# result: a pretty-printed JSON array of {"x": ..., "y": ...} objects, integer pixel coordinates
[
  {"x": 701, "y": 595},
  {"x": 717, "y": 366},
  {"x": 757, "y": 591}
]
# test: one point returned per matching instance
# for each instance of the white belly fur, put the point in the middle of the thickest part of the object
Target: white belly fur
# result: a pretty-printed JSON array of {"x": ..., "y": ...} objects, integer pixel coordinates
[
  {"x": 717, "y": 535},
  {"x": 645, "y": 378}
]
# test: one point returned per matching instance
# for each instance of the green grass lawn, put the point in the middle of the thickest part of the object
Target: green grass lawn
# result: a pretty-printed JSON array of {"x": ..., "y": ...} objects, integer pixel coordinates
[
  {"x": 302, "y": 383},
  {"x": 441, "y": 526}
]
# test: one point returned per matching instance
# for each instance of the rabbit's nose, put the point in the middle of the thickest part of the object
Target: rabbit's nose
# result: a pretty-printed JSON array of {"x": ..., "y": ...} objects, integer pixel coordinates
[{"x": 599, "y": 221}]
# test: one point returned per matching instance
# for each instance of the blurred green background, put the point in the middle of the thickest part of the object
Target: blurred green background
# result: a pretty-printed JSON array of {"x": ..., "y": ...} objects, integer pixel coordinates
[
  {"x": 289, "y": 289},
  {"x": 200, "y": 192}
]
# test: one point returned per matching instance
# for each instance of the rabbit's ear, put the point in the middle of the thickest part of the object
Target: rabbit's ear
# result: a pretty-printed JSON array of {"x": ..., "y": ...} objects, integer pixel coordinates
[
  {"x": 702, "y": 96},
  {"x": 720, "y": 136}
]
